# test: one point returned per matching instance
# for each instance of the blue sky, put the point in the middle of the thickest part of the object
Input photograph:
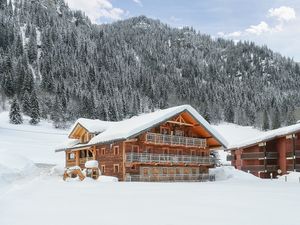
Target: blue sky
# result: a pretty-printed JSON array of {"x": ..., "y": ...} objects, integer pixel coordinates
[{"x": 275, "y": 23}]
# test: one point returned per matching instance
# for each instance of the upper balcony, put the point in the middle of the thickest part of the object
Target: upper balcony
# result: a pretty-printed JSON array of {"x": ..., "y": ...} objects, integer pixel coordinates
[
  {"x": 259, "y": 155},
  {"x": 166, "y": 158},
  {"x": 165, "y": 139},
  {"x": 291, "y": 154}
]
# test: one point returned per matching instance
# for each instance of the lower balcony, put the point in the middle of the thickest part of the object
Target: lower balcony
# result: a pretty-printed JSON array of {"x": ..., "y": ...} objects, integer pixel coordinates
[
  {"x": 167, "y": 158},
  {"x": 171, "y": 178},
  {"x": 258, "y": 168},
  {"x": 291, "y": 167}
]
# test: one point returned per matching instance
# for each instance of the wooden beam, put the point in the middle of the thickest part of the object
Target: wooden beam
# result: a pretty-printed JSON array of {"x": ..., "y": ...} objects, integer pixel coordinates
[{"x": 181, "y": 123}]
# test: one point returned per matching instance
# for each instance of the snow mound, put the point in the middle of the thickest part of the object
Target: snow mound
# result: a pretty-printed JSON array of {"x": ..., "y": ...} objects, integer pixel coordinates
[
  {"x": 107, "y": 179},
  {"x": 14, "y": 167},
  {"x": 292, "y": 177},
  {"x": 229, "y": 172},
  {"x": 57, "y": 170},
  {"x": 91, "y": 164}
]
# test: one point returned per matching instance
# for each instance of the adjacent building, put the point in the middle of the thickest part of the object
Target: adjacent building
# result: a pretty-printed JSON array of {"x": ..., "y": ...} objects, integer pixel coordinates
[
  {"x": 273, "y": 153},
  {"x": 173, "y": 144}
]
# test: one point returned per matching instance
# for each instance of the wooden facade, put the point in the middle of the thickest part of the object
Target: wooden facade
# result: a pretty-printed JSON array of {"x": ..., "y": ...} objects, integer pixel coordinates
[
  {"x": 269, "y": 158},
  {"x": 179, "y": 149}
]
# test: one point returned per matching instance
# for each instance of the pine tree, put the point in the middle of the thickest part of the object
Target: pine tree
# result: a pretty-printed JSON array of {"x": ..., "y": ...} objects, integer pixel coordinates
[
  {"x": 32, "y": 47},
  {"x": 276, "y": 120},
  {"x": 229, "y": 113},
  {"x": 266, "y": 125},
  {"x": 26, "y": 103},
  {"x": 34, "y": 109},
  {"x": 290, "y": 117},
  {"x": 15, "y": 116}
]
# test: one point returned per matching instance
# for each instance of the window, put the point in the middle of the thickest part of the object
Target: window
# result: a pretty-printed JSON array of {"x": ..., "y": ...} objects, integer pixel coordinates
[
  {"x": 179, "y": 152},
  {"x": 164, "y": 130},
  {"x": 179, "y": 132},
  {"x": 193, "y": 152},
  {"x": 135, "y": 148},
  {"x": 166, "y": 151},
  {"x": 116, "y": 150},
  {"x": 89, "y": 153},
  {"x": 116, "y": 168},
  {"x": 103, "y": 169},
  {"x": 102, "y": 151},
  {"x": 71, "y": 156},
  {"x": 194, "y": 170},
  {"x": 146, "y": 171},
  {"x": 82, "y": 153}
]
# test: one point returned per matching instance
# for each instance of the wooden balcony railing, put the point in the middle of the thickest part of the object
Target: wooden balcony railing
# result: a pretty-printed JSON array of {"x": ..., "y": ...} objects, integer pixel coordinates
[
  {"x": 156, "y": 138},
  {"x": 171, "y": 178},
  {"x": 259, "y": 155},
  {"x": 291, "y": 154},
  {"x": 166, "y": 158},
  {"x": 291, "y": 167},
  {"x": 84, "y": 160},
  {"x": 257, "y": 168}
]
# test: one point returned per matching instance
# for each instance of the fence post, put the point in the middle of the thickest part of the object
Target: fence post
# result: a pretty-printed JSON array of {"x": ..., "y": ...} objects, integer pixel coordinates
[{"x": 285, "y": 178}]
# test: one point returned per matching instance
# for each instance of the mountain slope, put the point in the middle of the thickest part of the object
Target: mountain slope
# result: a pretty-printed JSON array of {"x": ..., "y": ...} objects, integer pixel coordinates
[{"x": 121, "y": 69}]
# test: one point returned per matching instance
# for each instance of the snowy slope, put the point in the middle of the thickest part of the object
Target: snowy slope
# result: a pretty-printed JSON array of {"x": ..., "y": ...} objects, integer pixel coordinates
[{"x": 36, "y": 143}]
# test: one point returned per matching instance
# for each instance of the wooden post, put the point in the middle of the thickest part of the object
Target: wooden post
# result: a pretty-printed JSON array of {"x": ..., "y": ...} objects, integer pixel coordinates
[{"x": 294, "y": 152}]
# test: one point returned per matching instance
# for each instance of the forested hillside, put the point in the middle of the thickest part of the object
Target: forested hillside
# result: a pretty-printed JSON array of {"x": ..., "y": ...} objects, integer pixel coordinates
[{"x": 57, "y": 64}]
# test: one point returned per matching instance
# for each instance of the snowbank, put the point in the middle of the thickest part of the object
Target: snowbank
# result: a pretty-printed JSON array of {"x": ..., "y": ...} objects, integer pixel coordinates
[
  {"x": 107, "y": 179},
  {"x": 229, "y": 172},
  {"x": 293, "y": 177},
  {"x": 14, "y": 167}
]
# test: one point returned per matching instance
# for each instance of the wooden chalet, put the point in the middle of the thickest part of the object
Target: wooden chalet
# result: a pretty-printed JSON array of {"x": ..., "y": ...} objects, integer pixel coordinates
[
  {"x": 173, "y": 144},
  {"x": 273, "y": 153}
]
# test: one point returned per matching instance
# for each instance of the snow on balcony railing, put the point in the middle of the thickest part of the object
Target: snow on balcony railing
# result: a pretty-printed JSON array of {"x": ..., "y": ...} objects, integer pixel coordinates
[
  {"x": 164, "y": 158},
  {"x": 175, "y": 140},
  {"x": 171, "y": 178}
]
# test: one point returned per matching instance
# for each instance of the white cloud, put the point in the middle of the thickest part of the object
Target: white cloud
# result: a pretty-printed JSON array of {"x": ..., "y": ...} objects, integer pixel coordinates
[
  {"x": 283, "y": 13},
  {"x": 97, "y": 9},
  {"x": 262, "y": 27},
  {"x": 138, "y": 2}
]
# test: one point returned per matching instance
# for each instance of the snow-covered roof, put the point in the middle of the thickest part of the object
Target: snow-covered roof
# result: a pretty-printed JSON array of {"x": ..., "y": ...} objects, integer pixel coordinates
[
  {"x": 122, "y": 130},
  {"x": 93, "y": 126},
  {"x": 269, "y": 135}
]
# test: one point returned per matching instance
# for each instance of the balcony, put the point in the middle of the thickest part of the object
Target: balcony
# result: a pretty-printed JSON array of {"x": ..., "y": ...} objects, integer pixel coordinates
[
  {"x": 84, "y": 160},
  {"x": 230, "y": 158},
  {"x": 166, "y": 158},
  {"x": 259, "y": 155},
  {"x": 164, "y": 139},
  {"x": 291, "y": 167},
  {"x": 171, "y": 178},
  {"x": 291, "y": 154},
  {"x": 258, "y": 168}
]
